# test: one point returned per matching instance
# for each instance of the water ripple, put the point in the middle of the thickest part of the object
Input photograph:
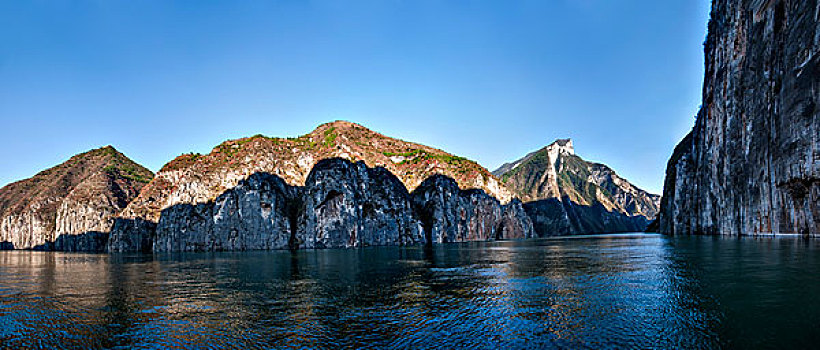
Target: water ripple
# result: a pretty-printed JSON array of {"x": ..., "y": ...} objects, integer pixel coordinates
[{"x": 632, "y": 291}]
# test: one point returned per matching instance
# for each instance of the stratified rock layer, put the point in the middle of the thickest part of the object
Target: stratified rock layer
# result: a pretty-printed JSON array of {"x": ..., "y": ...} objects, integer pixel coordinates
[
  {"x": 71, "y": 206},
  {"x": 565, "y": 194},
  {"x": 751, "y": 164}
]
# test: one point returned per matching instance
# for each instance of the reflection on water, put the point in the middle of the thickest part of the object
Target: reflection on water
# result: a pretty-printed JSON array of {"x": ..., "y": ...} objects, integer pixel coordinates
[{"x": 604, "y": 291}]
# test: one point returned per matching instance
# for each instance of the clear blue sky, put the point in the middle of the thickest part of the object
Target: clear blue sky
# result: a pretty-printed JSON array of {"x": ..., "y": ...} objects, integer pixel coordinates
[{"x": 488, "y": 80}]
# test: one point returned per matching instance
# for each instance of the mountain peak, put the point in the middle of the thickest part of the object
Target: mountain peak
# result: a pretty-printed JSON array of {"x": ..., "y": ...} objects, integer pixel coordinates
[
  {"x": 555, "y": 171},
  {"x": 292, "y": 159},
  {"x": 562, "y": 146},
  {"x": 341, "y": 125}
]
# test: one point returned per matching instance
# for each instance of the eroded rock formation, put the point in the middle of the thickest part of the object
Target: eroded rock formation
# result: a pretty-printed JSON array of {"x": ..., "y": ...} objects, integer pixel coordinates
[
  {"x": 257, "y": 214},
  {"x": 263, "y": 193},
  {"x": 751, "y": 164},
  {"x": 515, "y": 223},
  {"x": 199, "y": 178}
]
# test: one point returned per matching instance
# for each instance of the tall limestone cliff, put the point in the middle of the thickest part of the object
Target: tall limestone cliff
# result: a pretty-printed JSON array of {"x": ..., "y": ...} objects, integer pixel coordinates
[
  {"x": 70, "y": 206},
  {"x": 751, "y": 164},
  {"x": 257, "y": 214},
  {"x": 565, "y": 194}
]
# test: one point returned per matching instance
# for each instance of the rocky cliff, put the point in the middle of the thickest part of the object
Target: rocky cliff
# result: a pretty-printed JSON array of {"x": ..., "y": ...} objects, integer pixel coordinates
[
  {"x": 257, "y": 214},
  {"x": 348, "y": 204},
  {"x": 450, "y": 214},
  {"x": 565, "y": 194},
  {"x": 751, "y": 164},
  {"x": 70, "y": 206},
  {"x": 342, "y": 204}
]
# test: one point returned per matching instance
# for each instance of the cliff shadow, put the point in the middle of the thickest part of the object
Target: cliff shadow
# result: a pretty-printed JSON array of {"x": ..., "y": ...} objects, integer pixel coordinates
[
  {"x": 91, "y": 242},
  {"x": 131, "y": 235},
  {"x": 446, "y": 211}
]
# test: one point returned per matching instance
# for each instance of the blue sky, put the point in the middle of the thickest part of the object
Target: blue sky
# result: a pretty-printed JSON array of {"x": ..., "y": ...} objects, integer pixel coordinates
[{"x": 488, "y": 80}]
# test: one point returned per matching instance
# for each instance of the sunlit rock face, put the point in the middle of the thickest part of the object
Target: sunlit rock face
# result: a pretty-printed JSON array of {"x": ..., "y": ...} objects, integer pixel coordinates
[
  {"x": 186, "y": 185},
  {"x": 751, "y": 164},
  {"x": 342, "y": 204},
  {"x": 450, "y": 214},
  {"x": 71, "y": 206},
  {"x": 348, "y": 204}
]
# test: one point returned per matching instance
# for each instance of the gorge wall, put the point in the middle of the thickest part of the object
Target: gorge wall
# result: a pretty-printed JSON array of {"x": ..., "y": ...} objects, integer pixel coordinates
[
  {"x": 751, "y": 164},
  {"x": 342, "y": 204}
]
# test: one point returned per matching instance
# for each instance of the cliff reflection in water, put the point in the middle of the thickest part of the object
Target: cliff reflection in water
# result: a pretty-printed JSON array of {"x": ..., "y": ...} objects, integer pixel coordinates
[{"x": 601, "y": 291}]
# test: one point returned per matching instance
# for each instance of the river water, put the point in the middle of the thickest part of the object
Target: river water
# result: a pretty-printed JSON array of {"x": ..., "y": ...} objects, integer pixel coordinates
[{"x": 611, "y": 291}]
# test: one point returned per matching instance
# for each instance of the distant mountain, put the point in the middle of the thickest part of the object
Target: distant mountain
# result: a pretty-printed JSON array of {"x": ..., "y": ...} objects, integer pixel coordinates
[
  {"x": 563, "y": 193},
  {"x": 70, "y": 206}
]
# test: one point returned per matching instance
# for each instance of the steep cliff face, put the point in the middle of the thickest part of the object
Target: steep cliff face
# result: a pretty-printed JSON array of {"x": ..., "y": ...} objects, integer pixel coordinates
[
  {"x": 191, "y": 186},
  {"x": 71, "y": 206},
  {"x": 342, "y": 204},
  {"x": 565, "y": 194},
  {"x": 132, "y": 235},
  {"x": 751, "y": 164},
  {"x": 349, "y": 205},
  {"x": 257, "y": 214},
  {"x": 449, "y": 214}
]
